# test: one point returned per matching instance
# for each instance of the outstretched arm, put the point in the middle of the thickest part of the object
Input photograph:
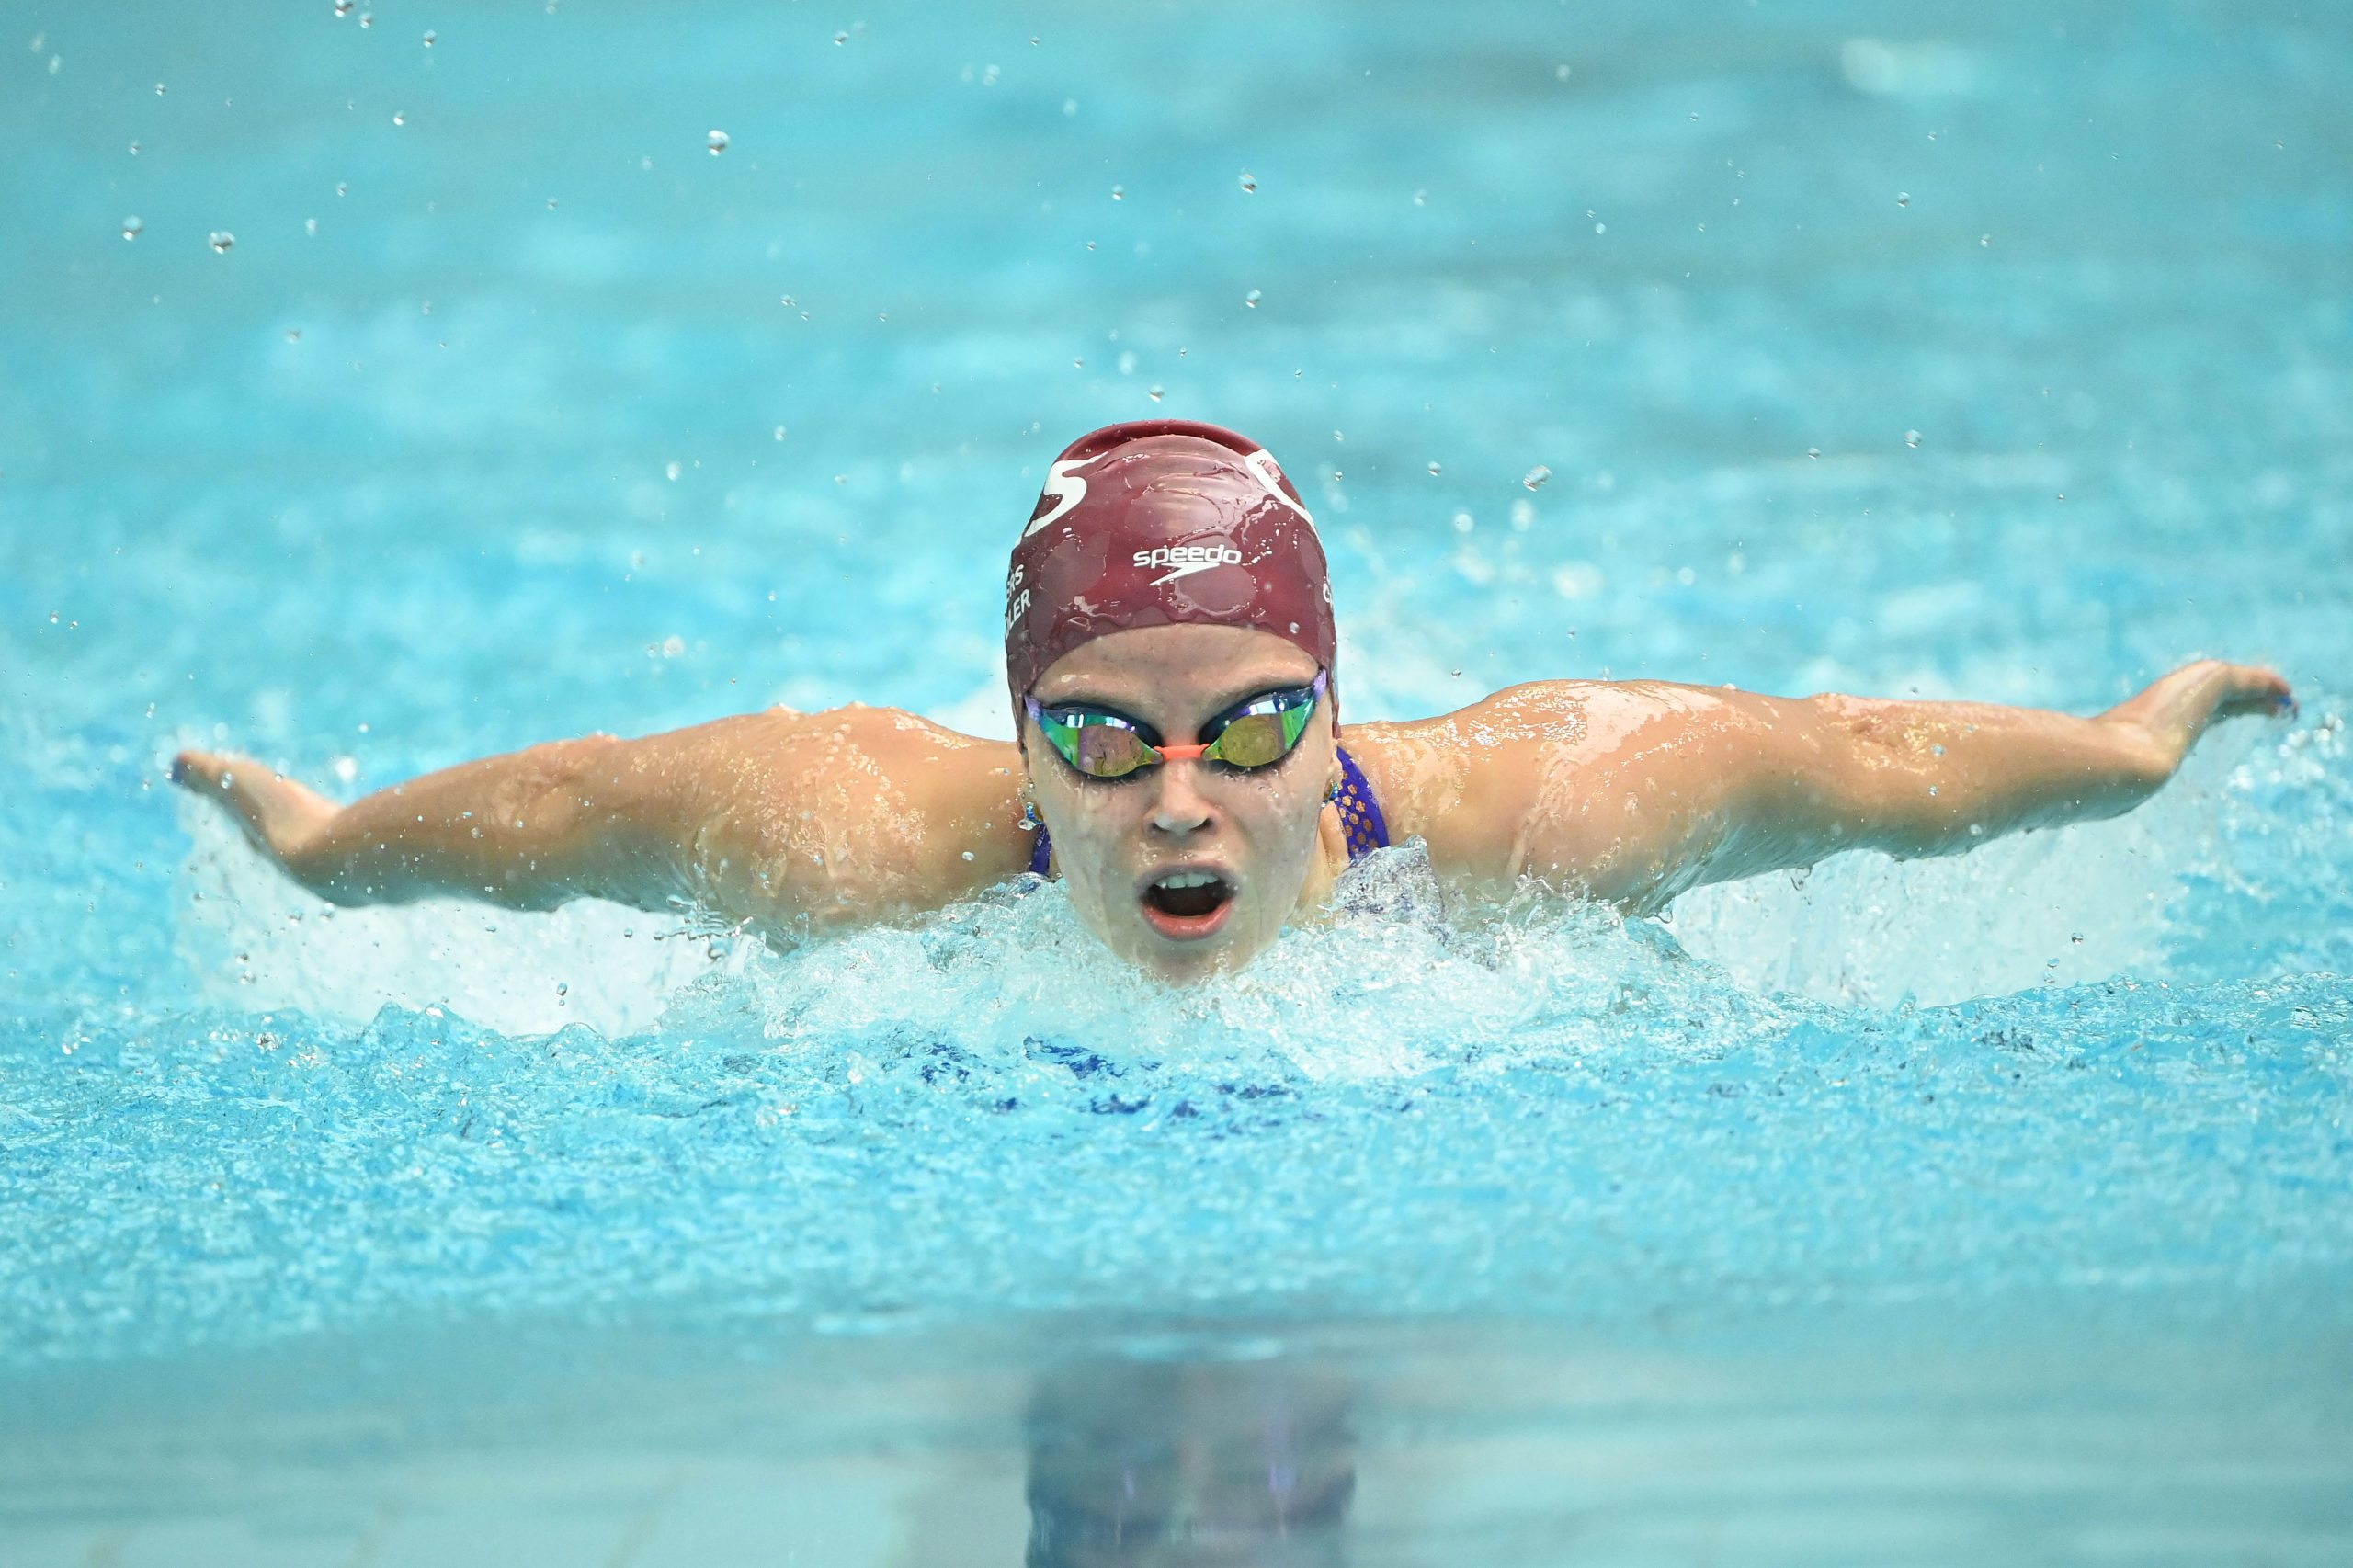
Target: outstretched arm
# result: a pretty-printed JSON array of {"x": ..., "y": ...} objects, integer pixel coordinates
[
  {"x": 1636, "y": 792},
  {"x": 776, "y": 818}
]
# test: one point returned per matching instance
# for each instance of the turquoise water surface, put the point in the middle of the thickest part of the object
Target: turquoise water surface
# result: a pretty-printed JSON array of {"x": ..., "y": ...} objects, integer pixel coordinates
[{"x": 372, "y": 398}]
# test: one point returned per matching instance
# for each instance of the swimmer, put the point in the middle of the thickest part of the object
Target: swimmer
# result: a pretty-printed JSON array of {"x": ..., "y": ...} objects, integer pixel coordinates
[{"x": 1183, "y": 768}]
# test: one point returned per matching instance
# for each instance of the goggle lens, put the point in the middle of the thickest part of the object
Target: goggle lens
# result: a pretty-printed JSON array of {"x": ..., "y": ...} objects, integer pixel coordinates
[{"x": 1100, "y": 750}]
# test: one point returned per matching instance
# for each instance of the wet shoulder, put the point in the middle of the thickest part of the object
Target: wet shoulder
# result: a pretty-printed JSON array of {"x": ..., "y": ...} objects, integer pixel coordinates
[
  {"x": 1468, "y": 782},
  {"x": 859, "y": 813}
]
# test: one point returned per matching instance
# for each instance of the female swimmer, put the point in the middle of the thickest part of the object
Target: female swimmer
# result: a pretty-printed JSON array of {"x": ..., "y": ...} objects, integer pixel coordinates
[{"x": 1182, "y": 767}]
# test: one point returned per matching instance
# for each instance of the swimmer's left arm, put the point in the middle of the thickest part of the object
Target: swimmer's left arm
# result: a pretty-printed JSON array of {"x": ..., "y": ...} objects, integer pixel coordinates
[{"x": 1634, "y": 792}]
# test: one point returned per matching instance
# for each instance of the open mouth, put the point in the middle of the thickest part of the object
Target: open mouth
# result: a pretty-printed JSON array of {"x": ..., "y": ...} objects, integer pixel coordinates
[{"x": 1187, "y": 903}]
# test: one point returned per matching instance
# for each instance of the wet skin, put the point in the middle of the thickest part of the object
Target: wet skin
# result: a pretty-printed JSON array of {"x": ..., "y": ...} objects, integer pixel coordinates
[{"x": 1629, "y": 792}]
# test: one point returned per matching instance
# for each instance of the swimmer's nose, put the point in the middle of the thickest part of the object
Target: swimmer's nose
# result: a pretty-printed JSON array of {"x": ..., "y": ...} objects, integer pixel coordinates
[{"x": 1181, "y": 808}]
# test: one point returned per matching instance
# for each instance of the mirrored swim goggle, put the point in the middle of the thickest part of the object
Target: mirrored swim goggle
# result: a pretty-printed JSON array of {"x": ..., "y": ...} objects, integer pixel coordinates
[{"x": 1256, "y": 734}]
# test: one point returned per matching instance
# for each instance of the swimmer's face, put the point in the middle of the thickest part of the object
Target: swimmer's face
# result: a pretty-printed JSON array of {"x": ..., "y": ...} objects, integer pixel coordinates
[{"x": 1126, "y": 847}]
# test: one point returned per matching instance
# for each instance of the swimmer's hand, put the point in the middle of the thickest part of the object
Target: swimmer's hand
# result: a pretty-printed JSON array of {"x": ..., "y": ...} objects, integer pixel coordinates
[{"x": 278, "y": 814}]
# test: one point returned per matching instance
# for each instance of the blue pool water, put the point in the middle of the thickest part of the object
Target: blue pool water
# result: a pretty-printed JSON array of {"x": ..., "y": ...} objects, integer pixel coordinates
[{"x": 1997, "y": 351}]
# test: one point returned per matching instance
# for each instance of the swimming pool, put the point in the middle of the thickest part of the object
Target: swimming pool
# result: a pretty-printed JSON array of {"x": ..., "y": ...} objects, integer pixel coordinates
[{"x": 1893, "y": 1212}]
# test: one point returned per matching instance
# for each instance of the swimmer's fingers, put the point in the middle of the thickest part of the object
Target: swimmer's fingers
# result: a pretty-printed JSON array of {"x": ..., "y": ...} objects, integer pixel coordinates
[
  {"x": 281, "y": 815},
  {"x": 2251, "y": 689}
]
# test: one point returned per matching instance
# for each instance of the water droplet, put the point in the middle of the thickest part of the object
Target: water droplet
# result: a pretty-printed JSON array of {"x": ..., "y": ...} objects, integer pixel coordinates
[
  {"x": 159, "y": 89},
  {"x": 988, "y": 75},
  {"x": 1070, "y": 106},
  {"x": 1249, "y": 183},
  {"x": 2077, "y": 938},
  {"x": 428, "y": 38},
  {"x": 1601, "y": 228},
  {"x": 400, "y": 117},
  {"x": 673, "y": 470},
  {"x": 1119, "y": 193},
  {"x": 841, "y": 37},
  {"x": 310, "y": 225},
  {"x": 780, "y": 432},
  {"x": 1421, "y": 199},
  {"x": 1985, "y": 240},
  {"x": 343, "y": 7},
  {"x": 551, "y": 203},
  {"x": 1911, "y": 437},
  {"x": 1536, "y": 476},
  {"x": 1904, "y": 199},
  {"x": 1078, "y": 364},
  {"x": 134, "y": 149},
  {"x": 1433, "y": 469},
  {"x": 1523, "y": 515},
  {"x": 562, "y": 989},
  {"x": 367, "y": 18},
  {"x": 341, "y": 188},
  {"x": 1695, "y": 114},
  {"x": 791, "y": 303},
  {"x": 1463, "y": 523},
  {"x": 223, "y": 239},
  {"x": 293, "y": 335},
  {"x": 1560, "y": 72},
  {"x": 1155, "y": 394},
  {"x": 131, "y": 227},
  {"x": 716, "y": 141},
  {"x": 968, "y": 853},
  {"x": 1090, "y": 244},
  {"x": 1128, "y": 364},
  {"x": 1252, "y": 299}
]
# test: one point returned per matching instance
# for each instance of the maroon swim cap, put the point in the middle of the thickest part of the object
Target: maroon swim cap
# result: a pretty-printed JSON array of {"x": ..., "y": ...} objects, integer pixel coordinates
[{"x": 1162, "y": 522}]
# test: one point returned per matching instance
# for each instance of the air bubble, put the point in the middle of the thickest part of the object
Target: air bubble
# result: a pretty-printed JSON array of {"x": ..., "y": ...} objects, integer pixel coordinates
[
  {"x": 131, "y": 227},
  {"x": 1249, "y": 183},
  {"x": 221, "y": 239},
  {"x": 716, "y": 141},
  {"x": 1252, "y": 299},
  {"x": 1535, "y": 477}
]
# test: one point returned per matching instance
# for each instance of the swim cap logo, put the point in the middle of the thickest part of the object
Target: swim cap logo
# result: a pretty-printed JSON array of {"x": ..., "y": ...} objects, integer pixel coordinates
[
  {"x": 1184, "y": 560},
  {"x": 1067, "y": 489},
  {"x": 1261, "y": 465}
]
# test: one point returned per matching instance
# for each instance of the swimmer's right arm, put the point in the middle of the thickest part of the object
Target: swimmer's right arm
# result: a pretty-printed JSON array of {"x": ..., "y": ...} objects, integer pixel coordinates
[{"x": 776, "y": 818}]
